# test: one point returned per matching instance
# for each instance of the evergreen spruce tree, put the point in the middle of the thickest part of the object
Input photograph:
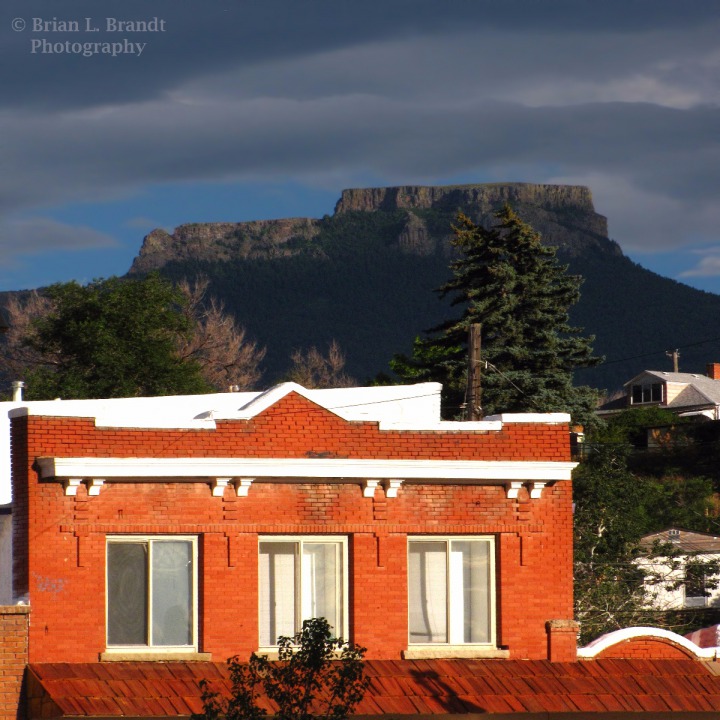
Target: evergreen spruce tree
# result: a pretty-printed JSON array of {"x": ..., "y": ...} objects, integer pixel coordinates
[{"x": 506, "y": 279}]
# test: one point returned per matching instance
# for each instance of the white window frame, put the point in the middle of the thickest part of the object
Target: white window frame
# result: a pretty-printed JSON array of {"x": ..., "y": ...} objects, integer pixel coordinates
[
  {"x": 491, "y": 590},
  {"x": 149, "y": 540},
  {"x": 341, "y": 587}
]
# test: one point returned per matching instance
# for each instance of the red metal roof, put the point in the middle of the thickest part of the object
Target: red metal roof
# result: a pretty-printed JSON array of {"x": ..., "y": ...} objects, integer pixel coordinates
[{"x": 421, "y": 687}]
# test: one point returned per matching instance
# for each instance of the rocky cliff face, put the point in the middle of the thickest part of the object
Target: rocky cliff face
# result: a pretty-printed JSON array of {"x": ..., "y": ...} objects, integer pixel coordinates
[
  {"x": 215, "y": 242},
  {"x": 563, "y": 214},
  {"x": 484, "y": 197}
]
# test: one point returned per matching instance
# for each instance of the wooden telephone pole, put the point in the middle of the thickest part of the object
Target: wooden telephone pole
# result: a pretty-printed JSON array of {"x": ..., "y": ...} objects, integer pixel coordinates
[
  {"x": 473, "y": 389},
  {"x": 675, "y": 355}
]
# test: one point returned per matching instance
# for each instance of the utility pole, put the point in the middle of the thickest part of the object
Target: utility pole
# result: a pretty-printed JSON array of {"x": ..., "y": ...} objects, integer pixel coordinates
[
  {"x": 473, "y": 389},
  {"x": 675, "y": 355}
]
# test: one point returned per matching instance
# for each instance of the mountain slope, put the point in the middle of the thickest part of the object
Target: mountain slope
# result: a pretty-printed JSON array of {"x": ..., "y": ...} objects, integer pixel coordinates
[{"x": 365, "y": 277}]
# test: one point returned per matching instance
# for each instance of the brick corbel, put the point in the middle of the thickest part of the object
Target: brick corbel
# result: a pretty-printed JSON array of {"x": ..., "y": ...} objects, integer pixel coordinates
[
  {"x": 71, "y": 486},
  {"x": 369, "y": 487},
  {"x": 392, "y": 486}
]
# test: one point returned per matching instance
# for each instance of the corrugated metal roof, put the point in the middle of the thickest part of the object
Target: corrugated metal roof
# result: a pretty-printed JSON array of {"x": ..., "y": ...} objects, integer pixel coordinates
[{"x": 422, "y": 687}]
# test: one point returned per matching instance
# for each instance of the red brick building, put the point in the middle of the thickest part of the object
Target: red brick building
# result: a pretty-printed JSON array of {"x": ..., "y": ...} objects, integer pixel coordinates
[
  {"x": 140, "y": 530},
  {"x": 155, "y": 537}
]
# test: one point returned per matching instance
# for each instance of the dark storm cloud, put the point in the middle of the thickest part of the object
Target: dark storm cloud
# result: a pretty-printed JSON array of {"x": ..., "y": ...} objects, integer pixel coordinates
[{"x": 624, "y": 96}]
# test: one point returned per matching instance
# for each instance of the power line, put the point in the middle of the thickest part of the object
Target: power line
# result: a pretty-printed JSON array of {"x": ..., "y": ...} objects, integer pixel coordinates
[{"x": 656, "y": 352}]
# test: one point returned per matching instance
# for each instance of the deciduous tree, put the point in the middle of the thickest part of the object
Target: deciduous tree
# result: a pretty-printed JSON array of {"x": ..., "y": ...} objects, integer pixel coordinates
[
  {"x": 312, "y": 369},
  {"x": 315, "y": 676},
  {"x": 227, "y": 358},
  {"x": 124, "y": 337}
]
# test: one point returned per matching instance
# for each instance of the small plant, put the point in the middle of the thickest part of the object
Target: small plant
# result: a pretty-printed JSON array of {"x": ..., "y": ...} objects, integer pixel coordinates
[{"x": 315, "y": 676}]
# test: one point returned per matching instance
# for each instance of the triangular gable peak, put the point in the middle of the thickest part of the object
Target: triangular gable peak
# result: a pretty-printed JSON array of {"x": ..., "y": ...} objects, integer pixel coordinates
[
  {"x": 285, "y": 404},
  {"x": 280, "y": 397}
]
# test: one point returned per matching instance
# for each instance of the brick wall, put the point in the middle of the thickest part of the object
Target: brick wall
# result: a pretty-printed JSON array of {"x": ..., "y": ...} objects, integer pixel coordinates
[
  {"x": 60, "y": 540},
  {"x": 646, "y": 648},
  {"x": 13, "y": 658}
]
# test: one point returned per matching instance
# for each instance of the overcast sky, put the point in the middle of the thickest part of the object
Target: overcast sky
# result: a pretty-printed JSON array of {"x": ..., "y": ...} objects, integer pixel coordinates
[{"x": 246, "y": 109}]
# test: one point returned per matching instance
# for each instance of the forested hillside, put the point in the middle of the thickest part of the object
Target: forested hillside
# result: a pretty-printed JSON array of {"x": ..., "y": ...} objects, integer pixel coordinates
[{"x": 365, "y": 277}]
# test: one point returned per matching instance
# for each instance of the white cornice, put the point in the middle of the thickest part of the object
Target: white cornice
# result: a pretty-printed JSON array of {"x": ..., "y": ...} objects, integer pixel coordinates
[{"x": 185, "y": 469}]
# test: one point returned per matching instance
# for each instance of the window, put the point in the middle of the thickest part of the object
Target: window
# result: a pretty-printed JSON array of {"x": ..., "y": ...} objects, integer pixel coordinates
[
  {"x": 451, "y": 590},
  {"x": 646, "y": 393},
  {"x": 694, "y": 586},
  {"x": 151, "y": 591},
  {"x": 301, "y": 578}
]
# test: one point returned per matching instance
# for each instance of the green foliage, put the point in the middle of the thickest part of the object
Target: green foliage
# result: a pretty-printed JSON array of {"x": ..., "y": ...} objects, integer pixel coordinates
[
  {"x": 631, "y": 426},
  {"x": 112, "y": 338},
  {"x": 616, "y": 504},
  {"x": 316, "y": 675},
  {"x": 505, "y": 279}
]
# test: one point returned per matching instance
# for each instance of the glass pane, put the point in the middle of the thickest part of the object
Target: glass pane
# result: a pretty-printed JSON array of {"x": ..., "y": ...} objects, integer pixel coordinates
[
  {"x": 276, "y": 591},
  {"x": 470, "y": 606},
  {"x": 172, "y": 599},
  {"x": 321, "y": 582},
  {"x": 127, "y": 593},
  {"x": 427, "y": 580},
  {"x": 657, "y": 392}
]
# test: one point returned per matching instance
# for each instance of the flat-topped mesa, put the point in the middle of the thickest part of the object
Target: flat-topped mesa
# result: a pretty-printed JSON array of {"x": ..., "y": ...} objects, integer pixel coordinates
[
  {"x": 484, "y": 196},
  {"x": 563, "y": 214}
]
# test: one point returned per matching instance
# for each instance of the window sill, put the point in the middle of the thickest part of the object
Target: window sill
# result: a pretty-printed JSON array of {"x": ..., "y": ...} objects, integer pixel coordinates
[
  {"x": 437, "y": 652},
  {"x": 135, "y": 656}
]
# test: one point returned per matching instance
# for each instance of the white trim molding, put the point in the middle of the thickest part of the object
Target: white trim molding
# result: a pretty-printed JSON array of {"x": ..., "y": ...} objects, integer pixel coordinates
[
  {"x": 613, "y": 638},
  {"x": 242, "y": 472},
  {"x": 193, "y": 469}
]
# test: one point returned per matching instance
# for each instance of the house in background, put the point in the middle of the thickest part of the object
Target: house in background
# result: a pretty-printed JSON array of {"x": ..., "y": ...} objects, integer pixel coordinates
[
  {"x": 683, "y": 582},
  {"x": 686, "y": 394}
]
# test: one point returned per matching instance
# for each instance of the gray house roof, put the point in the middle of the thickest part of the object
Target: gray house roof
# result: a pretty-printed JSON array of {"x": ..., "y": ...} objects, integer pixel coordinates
[
  {"x": 685, "y": 540},
  {"x": 700, "y": 390}
]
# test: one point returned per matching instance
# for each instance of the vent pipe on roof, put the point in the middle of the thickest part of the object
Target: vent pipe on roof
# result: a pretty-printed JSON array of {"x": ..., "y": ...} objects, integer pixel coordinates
[{"x": 17, "y": 390}]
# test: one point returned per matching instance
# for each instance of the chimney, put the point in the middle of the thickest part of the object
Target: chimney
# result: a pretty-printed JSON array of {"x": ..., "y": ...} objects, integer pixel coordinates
[
  {"x": 562, "y": 640},
  {"x": 713, "y": 371},
  {"x": 17, "y": 388}
]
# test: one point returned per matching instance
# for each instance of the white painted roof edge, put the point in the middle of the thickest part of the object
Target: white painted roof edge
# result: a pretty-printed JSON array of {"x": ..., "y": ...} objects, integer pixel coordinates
[
  {"x": 542, "y": 418},
  {"x": 420, "y": 402},
  {"x": 613, "y": 638}
]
